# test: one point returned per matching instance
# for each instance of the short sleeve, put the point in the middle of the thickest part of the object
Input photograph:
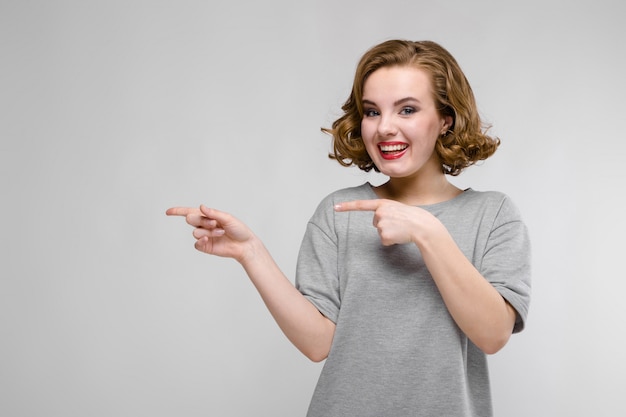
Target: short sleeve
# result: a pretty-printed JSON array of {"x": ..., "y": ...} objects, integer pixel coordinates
[
  {"x": 507, "y": 260},
  {"x": 316, "y": 272}
]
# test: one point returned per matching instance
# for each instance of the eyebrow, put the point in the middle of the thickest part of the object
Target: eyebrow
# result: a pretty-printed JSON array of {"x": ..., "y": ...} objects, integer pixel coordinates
[{"x": 395, "y": 103}]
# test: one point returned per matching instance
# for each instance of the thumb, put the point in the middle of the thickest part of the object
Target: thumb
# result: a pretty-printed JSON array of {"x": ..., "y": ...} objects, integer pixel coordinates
[{"x": 221, "y": 217}]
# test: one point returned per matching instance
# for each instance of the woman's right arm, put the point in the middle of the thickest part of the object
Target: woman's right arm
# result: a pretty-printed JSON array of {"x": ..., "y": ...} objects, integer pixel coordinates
[{"x": 219, "y": 233}]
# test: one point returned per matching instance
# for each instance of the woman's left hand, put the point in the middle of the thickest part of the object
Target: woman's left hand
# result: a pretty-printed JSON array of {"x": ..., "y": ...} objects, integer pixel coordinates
[{"x": 396, "y": 223}]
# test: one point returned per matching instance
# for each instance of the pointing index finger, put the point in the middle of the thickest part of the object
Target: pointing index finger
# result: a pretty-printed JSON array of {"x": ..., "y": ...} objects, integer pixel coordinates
[
  {"x": 358, "y": 205},
  {"x": 180, "y": 211}
]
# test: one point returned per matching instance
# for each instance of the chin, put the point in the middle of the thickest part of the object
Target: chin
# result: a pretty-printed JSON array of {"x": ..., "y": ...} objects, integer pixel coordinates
[
  {"x": 395, "y": 174},
  {"x": 395, "y": 171}
]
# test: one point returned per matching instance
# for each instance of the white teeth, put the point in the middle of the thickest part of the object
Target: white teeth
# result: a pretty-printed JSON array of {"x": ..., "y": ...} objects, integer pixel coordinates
[{"x": 393, "y": 148}]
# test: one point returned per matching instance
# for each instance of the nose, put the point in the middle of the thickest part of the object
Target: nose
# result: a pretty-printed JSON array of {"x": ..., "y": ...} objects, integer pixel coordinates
[{"x": 386, "y": 126}]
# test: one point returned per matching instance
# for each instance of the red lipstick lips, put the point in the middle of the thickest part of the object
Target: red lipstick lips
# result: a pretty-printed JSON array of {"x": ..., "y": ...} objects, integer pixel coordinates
[{"x": 392, "y": 150}]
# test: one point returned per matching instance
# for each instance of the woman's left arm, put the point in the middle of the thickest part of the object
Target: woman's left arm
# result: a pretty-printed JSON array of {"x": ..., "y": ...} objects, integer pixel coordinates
[{"x": 475, "y": 305}]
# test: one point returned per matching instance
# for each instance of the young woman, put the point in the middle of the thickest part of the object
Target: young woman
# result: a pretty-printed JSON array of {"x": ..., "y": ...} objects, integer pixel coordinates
[{"x": 403, "y": 288}]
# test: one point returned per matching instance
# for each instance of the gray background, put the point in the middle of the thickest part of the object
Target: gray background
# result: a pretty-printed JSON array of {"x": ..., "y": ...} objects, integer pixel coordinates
[{"x": 112, "y": 111}]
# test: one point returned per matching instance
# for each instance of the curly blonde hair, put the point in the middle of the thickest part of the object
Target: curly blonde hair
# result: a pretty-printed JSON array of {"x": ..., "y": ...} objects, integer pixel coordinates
[{"x": 466, "y": 141}]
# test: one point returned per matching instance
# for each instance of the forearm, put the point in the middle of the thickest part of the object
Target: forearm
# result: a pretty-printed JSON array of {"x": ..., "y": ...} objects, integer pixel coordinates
[
  {"x": 475, "y": 305},
  {"x": 298, "y": 318}
]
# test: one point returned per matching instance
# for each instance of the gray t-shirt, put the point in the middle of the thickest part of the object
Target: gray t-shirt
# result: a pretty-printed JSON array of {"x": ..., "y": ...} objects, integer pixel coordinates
[{"x": 396, "y": 349}]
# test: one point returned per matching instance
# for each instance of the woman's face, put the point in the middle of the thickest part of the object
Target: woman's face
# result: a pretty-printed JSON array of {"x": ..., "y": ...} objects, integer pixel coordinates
[{"x": 401, "y": 124}]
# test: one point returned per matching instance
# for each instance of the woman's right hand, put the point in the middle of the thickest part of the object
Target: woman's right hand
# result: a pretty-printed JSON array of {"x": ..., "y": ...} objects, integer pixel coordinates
[
  {"x": 216, "y": 232},
  {"x": 221, "y": 234}
]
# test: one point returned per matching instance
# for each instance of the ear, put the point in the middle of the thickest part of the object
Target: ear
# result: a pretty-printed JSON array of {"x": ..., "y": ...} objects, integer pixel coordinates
[
  {"x": 448, "y": 120},
  {"x": 447, "y": 124}
]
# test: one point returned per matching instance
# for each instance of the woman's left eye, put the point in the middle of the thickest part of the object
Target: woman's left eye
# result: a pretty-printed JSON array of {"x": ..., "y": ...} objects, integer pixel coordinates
[{"x": 407, "y": 110}]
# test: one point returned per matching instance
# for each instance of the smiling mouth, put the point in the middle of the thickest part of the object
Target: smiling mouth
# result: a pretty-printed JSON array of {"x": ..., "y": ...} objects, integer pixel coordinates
[{"x": 392, "y": 150}]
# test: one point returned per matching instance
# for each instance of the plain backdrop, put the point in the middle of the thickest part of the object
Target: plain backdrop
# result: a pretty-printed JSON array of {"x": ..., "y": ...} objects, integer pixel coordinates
[{"x": 112, "y": 111}]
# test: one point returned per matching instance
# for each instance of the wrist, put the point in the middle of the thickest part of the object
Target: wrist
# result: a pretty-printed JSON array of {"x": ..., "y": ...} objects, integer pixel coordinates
[
  {"x": 251, "y": 251},
  {"x": 426, "y": 233}
]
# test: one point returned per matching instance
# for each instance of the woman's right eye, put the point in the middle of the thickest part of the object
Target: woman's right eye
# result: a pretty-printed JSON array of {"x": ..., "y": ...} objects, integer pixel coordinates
[{"x": 370, "y": 113}]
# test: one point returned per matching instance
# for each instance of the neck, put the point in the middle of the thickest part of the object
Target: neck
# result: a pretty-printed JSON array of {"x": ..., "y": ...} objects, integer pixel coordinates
[{"x": 418, "y": 191}]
